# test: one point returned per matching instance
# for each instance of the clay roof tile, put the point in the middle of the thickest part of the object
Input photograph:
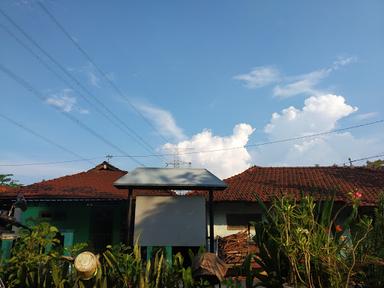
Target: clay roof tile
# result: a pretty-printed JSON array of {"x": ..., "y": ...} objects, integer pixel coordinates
[
  {"x": 320, "y": 182},
  {"x": 96, "y": 183}
]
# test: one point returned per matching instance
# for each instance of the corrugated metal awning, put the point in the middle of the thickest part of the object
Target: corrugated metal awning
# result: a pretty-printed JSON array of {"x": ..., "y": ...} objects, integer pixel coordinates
[{"x": 170, "y": 178}]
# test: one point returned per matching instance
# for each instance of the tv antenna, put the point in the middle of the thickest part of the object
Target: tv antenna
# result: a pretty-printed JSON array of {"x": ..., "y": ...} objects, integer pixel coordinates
[{"x": 177, "y": 162}]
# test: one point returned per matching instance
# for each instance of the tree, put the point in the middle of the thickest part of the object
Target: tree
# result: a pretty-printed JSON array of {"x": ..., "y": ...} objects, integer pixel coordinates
[
  {"x": 378, "y": 164},
  {"x": 6, "y": 180}
]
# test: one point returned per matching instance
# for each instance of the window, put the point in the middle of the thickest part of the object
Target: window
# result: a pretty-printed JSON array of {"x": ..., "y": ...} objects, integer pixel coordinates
[
  {"x": 49, "y": 215},
  {"x": 241, "y": 221}
]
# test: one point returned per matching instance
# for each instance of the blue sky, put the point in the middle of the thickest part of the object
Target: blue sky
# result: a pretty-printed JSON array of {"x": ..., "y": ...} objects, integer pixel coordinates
[{"x": 204, "y": 75}]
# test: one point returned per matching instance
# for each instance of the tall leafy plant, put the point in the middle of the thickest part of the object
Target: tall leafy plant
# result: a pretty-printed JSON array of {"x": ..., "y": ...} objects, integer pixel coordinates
[
  {"x": 32, "y": 256},
  {"x": 371, "y": 253},
  {"x": 308, "y": 244}
]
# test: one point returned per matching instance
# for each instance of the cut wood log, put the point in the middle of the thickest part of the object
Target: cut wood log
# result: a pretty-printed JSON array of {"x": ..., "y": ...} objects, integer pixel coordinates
[
  {"x": 86, "y": 264},
  {"x": 233, "y": 249}
]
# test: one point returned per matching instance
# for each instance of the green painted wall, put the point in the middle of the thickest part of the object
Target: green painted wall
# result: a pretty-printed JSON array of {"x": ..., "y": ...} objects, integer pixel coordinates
[
  {"x": 65, "y": 216},
  {"x": 74, "y": 217}
]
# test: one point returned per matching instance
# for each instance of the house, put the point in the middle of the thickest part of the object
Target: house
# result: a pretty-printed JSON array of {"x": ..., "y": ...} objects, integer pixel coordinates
[
  {"x": 237, "y": 205},
  {"x": 86, "y": 207}
]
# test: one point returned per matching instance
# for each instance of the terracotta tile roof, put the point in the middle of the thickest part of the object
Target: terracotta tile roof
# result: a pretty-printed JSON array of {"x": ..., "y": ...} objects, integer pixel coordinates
[
  {"x": 268, "y": 182},
  {"x": 96, "y": 183},
  {"x": 6, "y": 189}
]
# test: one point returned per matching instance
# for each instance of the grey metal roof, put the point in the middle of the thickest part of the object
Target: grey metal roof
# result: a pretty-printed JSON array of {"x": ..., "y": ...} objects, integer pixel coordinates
[{"x": 170, "y": 178}]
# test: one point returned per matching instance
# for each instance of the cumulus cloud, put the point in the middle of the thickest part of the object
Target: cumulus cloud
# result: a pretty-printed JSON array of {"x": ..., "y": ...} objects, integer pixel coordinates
[
  {"x": 163, "y": 120},
  {"x": 225, "y": 162},
  {"x": 325, "y": 150},
  {"x": 65, "y": 102},
  {"x": 319, "y": 114},
  {"x": 259, "y": 77}
]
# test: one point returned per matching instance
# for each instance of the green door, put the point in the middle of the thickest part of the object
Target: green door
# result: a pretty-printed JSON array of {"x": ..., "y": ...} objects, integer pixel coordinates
[{"x": 68, "y": 239}]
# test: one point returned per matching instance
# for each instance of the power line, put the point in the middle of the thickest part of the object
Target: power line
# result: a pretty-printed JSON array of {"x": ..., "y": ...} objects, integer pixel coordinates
[
  {"x": 95, "y": 158},
  {"x": 267, "y": 143},
  {"x": 30, "y": 88},
  {"x": 49, "y": 163},
  {"x": 136, "y": 137},
  {"x": 363, "y": 159},
  {"x": 31, "y": 131},
  {"x": 60, "y": 66},
  {"x": 98, "y": 68},
  {"x": 41, "y": 61}
]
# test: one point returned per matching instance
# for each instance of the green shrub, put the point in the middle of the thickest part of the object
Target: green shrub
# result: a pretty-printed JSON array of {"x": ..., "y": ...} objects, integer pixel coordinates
[
  {"x": 38, "y": 261},
  {"x": 308, "y": 244}
]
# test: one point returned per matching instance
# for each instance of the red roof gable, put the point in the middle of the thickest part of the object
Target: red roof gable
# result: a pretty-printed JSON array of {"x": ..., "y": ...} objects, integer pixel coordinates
[
  {"x": 321, "y": 182},
  {"x": 5, "y": 188},
  {"x": 96, "y": 183}
]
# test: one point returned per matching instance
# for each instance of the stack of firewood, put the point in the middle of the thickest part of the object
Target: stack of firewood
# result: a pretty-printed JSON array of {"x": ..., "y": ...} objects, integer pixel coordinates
[{"x": 233, "y": 249}]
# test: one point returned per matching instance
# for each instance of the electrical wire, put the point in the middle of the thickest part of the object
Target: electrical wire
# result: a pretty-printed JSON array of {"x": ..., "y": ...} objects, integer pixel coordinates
[
  {"x": 37, "y": 94},
  {"x": 363, "y": 159},
  {"x": 250, "y": 145},
  {"x": 266, "y": 143},
  {"x": 133, "y": 133},
  {"x": 101, "y": 72},
  {"x": 49, "y": 163},
  {"x": 95, "y": 158},
  {"x": 38, "y": 135}
]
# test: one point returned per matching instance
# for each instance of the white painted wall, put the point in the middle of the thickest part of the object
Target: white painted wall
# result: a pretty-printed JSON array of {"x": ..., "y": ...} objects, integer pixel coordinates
[
  {"x": 181, "y": 221},
  {"x": 221, "y": 209},
  {"x": 170, "y": 221}
]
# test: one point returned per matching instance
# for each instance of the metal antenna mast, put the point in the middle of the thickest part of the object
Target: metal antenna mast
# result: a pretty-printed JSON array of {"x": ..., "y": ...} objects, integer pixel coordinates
[{"x": 177, "y": 162}]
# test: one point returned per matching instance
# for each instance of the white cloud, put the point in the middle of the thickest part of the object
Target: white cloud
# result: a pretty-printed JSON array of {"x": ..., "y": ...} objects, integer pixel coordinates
[
  {"x": 65, "y": 102},
  {"x": 91, "y": 75},
  {"x": 342, "y": 61},
  {"x": 325, "y": 150},
  {"x": 223, "y": 163},
  {"x": 287, "y": 86},
  {"x": 163, "y": 120},
  {"x": 259, "y": 77},
  {"x": 306, "y": 83},
  {"x": 366, "y": 116},
  {"x": 319, "y": 114},
  {"x": 93, "y": 79}
]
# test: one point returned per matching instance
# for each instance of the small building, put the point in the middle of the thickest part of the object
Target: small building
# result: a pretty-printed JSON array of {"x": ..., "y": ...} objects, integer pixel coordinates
[
  {"x": 237, "y": 205},
  {"x": 86, "y": 207},
  {"x": 176, "y": 221}
]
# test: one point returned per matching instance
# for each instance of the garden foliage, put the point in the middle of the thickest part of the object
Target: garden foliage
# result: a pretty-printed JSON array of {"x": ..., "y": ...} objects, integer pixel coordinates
[
  {"x": 307, "y": 244},
  {"x": 38, "y": 261},
  {"x": 302, "y": 243}
]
